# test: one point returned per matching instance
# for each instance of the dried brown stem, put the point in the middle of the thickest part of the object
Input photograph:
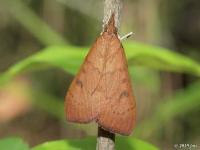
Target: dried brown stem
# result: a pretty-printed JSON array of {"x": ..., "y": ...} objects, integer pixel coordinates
[
  {"x": 112, "y": 7},
  {"x": 105, "y": 140}
]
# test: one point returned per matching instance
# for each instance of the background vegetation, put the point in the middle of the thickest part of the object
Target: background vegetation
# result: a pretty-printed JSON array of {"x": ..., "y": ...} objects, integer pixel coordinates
[{"x": 43, "y": 43}]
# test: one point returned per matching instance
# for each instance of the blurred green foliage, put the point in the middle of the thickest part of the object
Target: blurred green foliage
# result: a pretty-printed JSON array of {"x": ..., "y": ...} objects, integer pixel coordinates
[
  {"x": 90, "y": 144},
  {"x": 13, "y": 143},
  {"x": 75, "y": 144},
  {"x": 69, "y": 58},
  {"x": 180, "y": 103},
  {"x": 25, "y": 16}
]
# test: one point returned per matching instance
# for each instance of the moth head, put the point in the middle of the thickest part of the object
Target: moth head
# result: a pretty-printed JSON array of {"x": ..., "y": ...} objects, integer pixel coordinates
[{"x": 110, "y": 27}]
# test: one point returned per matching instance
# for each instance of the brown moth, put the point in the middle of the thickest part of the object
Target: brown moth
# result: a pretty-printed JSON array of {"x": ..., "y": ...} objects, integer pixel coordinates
[{"x": 101, "y": 91}]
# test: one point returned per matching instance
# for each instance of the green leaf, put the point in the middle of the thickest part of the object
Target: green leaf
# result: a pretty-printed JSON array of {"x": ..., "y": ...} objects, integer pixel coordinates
[
  {"x": 184, "y": 101},
  {"x": 160, "y": 58},
  {"x": 129, "y": 143},
  {"x": 126, "y": 143},
  {"x": 33, "y": 23},
  {"x": 69, "y": 58},
  {"x": 13, "y": 143}
]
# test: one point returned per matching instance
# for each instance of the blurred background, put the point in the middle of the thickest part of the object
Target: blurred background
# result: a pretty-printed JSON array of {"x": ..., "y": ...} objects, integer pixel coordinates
[{"x": 32, "y": 90}]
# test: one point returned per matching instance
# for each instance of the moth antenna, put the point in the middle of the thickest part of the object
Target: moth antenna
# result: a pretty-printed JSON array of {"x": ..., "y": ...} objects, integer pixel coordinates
[{"x": 126, "y": 36}]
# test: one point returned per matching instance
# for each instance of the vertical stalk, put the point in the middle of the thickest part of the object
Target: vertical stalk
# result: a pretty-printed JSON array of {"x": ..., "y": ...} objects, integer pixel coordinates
[
  {"x": 110, "y": 7},
  {"x": 106, "y": 139}
]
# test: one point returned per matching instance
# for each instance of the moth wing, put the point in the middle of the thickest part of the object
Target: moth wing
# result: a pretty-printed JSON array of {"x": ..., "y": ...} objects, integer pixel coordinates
[
  {"x": 81, "y": 105},
  {"x": 117, "y": 111}
]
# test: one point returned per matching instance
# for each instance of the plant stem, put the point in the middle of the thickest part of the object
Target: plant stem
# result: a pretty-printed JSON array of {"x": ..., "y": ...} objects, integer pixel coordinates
[
  {"x": 105, "y": 140},
  {"x": 110, "y": 7}
]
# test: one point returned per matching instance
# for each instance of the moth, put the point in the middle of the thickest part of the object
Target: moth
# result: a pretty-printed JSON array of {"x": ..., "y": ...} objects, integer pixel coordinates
[{"x": 101, "y": 91}]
